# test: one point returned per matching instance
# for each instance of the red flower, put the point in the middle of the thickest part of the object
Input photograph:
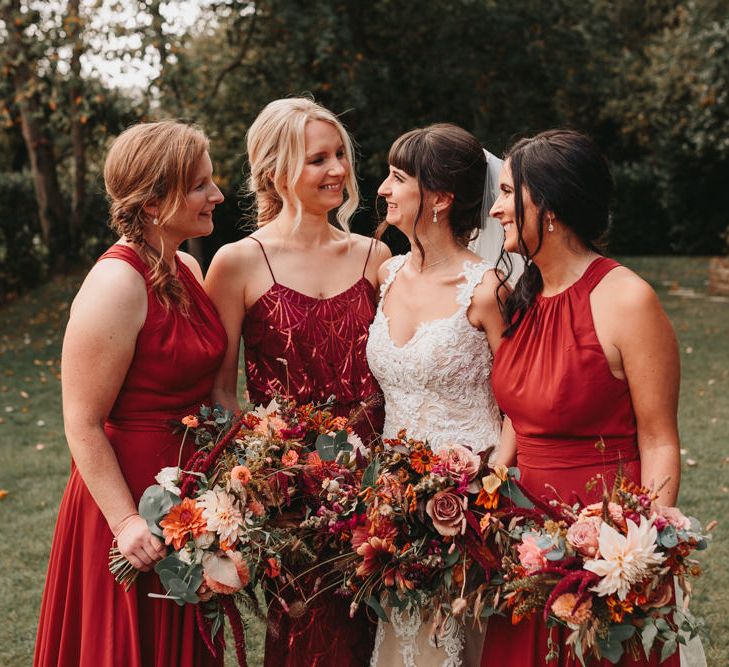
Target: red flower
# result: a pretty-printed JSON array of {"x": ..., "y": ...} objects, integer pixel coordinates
[
  {"x": 273, "y": 568},
  {"x": 377, "y": 554}
]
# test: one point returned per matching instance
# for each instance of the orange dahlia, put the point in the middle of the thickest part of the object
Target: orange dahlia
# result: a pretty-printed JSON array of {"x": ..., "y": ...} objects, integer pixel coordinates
[
  {"x": 182, "y": 522},
  {"x": 422, "y": 460}
]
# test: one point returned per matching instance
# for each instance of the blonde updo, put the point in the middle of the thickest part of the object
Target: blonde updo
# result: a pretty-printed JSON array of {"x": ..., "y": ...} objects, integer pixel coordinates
[
  {"x": 152, "y": 163},
  {"x": 277, "y": 152}
]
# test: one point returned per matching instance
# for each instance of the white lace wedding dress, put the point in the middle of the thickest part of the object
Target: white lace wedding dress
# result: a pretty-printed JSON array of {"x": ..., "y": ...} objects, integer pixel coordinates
[{"x": 438, "y": 387}]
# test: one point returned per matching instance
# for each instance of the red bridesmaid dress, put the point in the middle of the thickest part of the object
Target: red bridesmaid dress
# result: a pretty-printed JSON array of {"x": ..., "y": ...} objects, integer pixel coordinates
[
  {"x": 86, "y": 618},
  {"x": 552, "y": 379},
  {"x": 310, "y": 349}
]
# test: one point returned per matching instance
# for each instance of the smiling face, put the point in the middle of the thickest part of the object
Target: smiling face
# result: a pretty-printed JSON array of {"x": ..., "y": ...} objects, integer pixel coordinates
[
  {"x": 402, "y": 194},
  {"x": 195, "y": 217},
  {"x": 320, "y": 187},
  {"x": 504, "y": 210}
]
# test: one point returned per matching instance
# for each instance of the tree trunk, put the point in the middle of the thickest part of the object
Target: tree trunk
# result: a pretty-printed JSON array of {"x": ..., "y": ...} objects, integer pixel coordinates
[
  {"x": 78, "y": 134},
  {"x": 37, "y": 138}
]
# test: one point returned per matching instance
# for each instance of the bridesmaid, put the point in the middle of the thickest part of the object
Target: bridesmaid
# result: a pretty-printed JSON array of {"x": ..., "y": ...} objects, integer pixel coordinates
[
  {"x": 142, "y": 347},
  {"x": 588, "y": 353},
  {"x": 302, "y": 293}
]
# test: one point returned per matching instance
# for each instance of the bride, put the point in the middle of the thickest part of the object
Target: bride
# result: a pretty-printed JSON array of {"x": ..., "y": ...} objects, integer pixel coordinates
[{"x": 433, "y": 337}]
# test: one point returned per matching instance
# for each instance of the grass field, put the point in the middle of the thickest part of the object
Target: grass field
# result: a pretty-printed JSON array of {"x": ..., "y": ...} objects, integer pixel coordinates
[{"x": 34, "y": 458}]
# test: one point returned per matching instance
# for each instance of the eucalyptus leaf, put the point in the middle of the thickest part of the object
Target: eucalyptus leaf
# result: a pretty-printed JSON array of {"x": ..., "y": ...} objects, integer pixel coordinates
[
  {"x": 374, "y": 603},
  {"x": 369, "y": 477},
  {"x": 514, "y": 472},
  {"x": 325, "y": 447},
  {"x": 555, "y": 554},
  {"x": 154, "y": 505},
  {"x": 668, "y": 538},
  {"x": 452, "y": 558},
  {"x": 514, "y": 493},
  {"x": 648, "y": 636},
  {"x": 669, "y": 648},
  {"x": 662, "y": 624},
  {"x": 612, "y": 651}
]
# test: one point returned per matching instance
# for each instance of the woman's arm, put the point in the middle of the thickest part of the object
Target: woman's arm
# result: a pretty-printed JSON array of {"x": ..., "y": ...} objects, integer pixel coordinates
[
  {"x": 98, "y": 348},
  {"x": 629, "y": 312},
  {"x": 225, "y": 285},
  {"x": 506, "y": 453},
  {"x": 484, "y": 312}
]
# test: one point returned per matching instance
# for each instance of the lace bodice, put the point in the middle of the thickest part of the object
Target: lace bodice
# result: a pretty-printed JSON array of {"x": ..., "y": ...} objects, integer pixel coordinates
[{"x": 437, "y": 385}]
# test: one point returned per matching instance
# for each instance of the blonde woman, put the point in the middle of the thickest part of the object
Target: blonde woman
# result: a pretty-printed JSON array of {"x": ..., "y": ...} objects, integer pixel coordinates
[
  {"x": 301, "y": 292},
  {"x": 141, "y": 348}
]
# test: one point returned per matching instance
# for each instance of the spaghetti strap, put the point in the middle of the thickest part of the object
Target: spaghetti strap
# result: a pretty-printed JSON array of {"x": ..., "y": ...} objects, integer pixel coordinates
[
  {"x": 369, "y": 252},
  {"x": 265, "y": 256}
]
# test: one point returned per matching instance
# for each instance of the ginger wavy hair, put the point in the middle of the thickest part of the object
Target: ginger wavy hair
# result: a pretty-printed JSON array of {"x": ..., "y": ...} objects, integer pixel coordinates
[
  {"x": 153, "y": 163},
  {"x": 277, "y": 152}
]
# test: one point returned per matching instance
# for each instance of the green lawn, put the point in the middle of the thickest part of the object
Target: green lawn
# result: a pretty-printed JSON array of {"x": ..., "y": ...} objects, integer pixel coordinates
[{"x": 34, "y": 459}]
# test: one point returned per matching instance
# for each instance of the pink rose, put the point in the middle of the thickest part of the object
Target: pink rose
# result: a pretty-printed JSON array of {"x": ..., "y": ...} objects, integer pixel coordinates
[
  {"x": 673, "y": 516},
  {"x": 446, "y": 508},
  {"x": 584, "y": 535},
  {"x": 531, "y": 556},
  {"x": 459, "y": 460}
]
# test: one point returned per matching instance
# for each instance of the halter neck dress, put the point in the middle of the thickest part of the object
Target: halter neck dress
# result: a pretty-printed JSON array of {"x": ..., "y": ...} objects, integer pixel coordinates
[
  {"x": 86, "y": 618},
  {"x": 551, "y": 377}
]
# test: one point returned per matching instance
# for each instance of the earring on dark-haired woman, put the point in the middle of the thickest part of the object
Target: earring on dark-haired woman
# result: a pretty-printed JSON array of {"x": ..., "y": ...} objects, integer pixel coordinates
[
  {"x": 550, "y": 226},
  {"x": 435, "y": 215}
]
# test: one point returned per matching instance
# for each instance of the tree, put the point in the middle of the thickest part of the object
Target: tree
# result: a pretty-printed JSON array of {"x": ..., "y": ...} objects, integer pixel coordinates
[{"x": 22, "y": 63}]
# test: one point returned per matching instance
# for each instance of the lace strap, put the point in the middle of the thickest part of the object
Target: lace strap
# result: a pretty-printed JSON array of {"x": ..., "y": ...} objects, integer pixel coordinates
[
  {"x": 473, "y": 276},
  {"x": 393, "y": 266}
]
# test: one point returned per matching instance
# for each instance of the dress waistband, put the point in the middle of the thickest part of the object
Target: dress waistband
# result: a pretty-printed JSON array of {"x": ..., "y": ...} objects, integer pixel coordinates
[
  {"x": 149, "y": 421},
  {"x": 574, "y": 452}
]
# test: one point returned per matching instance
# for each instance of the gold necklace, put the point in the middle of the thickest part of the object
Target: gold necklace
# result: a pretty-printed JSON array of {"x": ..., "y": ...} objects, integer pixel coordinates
[{"x": 438, "y": 261}]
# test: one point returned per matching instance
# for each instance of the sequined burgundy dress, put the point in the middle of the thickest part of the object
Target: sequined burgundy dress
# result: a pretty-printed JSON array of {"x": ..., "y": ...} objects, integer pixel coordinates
[{"x": 310, "y": 349}]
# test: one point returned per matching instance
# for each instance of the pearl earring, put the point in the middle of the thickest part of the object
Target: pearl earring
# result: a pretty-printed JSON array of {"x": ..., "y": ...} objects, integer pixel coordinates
[
  {"x": 155, "y": 222},
  {"x": 550, "y": 226},
  {"x": 435, "y": 216}
]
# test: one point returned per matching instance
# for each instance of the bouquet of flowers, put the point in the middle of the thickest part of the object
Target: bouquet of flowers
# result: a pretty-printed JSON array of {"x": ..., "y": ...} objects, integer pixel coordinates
[
  {"x": 606, "y": 571},
  {"x": 221, "y": 513},
  {"x": 417, "y": 538}
]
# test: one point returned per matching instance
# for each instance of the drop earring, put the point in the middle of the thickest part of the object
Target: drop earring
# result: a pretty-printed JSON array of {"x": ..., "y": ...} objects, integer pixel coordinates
[
  {"x": 550, "y": 226},
  {"x": 435, "y": 216},
  {"x": 155, "y": 222}
]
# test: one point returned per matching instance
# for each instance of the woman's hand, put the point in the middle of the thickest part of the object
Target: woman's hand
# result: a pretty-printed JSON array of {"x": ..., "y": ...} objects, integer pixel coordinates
[{"x": 137, "y": 544}]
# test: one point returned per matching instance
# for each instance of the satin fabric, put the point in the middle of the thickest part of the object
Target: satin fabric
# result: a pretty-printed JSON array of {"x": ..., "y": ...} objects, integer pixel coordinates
[
  {"x": 553, "y": 380},
  {"x": 86, "y": 618}
]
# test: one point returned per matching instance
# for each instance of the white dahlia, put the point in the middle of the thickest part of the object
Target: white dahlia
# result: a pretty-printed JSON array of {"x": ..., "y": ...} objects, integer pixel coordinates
[
  {"x": 222, "y": 513},
  {"x": 626, "y": 559}
]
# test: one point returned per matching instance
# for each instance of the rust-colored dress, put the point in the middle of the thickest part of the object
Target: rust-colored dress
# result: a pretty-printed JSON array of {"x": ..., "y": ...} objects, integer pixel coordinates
[
  {"x": 553, "y": 380},
  {"x": 86, "y": 618},
  {"x": 323, "y": 343}
]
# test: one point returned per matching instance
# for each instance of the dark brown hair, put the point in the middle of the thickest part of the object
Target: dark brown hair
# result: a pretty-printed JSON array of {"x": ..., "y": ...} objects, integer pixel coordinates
[
  {"x": 445, "y": 158},
  {"x": 566, "y": 173}
]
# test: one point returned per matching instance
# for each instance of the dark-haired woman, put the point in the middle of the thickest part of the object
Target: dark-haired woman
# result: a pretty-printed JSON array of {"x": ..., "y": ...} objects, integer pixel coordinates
[
  {"x": 142, "y": 346},
  {"x": 431, "y": 341},
  {"x": 588, "y": 354}
]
